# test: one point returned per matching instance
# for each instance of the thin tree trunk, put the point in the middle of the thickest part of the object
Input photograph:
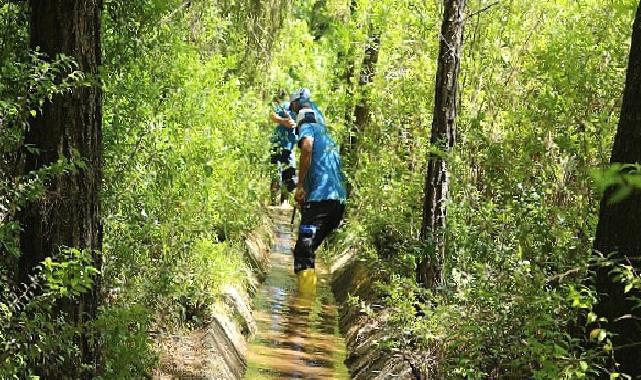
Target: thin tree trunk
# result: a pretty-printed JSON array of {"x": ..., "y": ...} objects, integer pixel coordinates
[
  {"x": 619, "y": 230},
  {"x": 68, "y": 215},
  {"x": 443, "y": 137},
  {"x": 368, "y": 71}
]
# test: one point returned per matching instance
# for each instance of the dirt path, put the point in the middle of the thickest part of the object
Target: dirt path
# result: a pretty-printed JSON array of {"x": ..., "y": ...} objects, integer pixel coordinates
[{"x": 297, "y": 334}]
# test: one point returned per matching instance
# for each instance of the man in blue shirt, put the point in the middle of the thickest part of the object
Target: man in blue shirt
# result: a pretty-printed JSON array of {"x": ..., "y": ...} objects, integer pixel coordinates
[
  {"x": 282, "y": 156},
  {"x": 321, "y": 187}
]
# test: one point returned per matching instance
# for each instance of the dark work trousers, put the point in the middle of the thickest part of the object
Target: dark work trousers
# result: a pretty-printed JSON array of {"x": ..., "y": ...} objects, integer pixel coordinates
[{"x": 318, "y": 219}]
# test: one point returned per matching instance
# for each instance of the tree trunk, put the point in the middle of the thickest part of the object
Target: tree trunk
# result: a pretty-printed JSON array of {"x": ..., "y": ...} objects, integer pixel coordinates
[
  {"x": 68, "y": 214},
  {"x": 368, "y": 70},
  {"x": 443, "y": 137},
  {"x": 619, "y": 230}
]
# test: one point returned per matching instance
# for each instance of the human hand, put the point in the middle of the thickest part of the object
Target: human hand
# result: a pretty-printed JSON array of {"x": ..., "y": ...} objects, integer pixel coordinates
[
  {"x": 289, "y": 122},
  {"x": 299, "y": 196}
]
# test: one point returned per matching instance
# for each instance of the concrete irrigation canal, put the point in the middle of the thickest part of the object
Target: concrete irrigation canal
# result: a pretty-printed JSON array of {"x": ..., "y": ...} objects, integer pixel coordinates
[{"x": 297, "y": 335}]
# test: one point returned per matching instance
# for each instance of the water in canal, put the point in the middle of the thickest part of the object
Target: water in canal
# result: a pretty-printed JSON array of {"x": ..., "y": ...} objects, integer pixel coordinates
[{"x": 298, "y": 334}]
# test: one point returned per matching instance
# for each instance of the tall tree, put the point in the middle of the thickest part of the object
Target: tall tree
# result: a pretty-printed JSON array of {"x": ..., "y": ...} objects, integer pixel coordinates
[
  {"x": 619, "y": 230},
  {"x": 368, "y": 71},
  {"x": 69, "y": 127},
  {"x": 442, "y": 139}
]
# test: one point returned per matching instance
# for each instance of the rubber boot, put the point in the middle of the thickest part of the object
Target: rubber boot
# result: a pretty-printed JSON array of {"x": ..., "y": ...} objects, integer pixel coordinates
[{"x": 307, "y": 284}]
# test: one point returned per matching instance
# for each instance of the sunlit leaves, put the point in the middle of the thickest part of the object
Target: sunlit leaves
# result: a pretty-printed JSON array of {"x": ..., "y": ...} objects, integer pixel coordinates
[
  {"x": 71, "y": 274},
  {"x": 186, "y": 141},
  {"x": 619, "y": 179}
]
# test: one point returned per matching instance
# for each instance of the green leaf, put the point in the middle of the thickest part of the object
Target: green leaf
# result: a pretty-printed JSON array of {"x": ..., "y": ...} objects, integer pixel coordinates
[
  {"x": 620, "y": 194},
  {"x": 583, "y": 365},
  {"x": 597, "y": 334}
]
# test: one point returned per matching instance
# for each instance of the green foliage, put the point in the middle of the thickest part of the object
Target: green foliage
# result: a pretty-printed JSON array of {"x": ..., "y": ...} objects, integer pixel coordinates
[
  {"x": 199, "y": 280},
  {"x": 186, "y": 145},
  {"x": 185, "y": 166},
  {"x": 125, "y": 342},
  {"x": 71, "y": 277},
  {"x": 186, "y": 87},
  {"x": 622, "y": 179},
  {"x": 33, "y": 327},
  {"x": 537, "y": 114},
  {"x": 26, "y": 83}
]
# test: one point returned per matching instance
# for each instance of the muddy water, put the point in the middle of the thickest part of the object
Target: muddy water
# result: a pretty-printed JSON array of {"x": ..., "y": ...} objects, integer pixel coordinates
[{"x": 297, "y": 333}]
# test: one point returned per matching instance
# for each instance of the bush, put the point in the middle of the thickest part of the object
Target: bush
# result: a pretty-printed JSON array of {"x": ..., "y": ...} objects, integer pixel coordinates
[
  {"x": 125, "y": 342},
  {"x": 34, "y": 327}
]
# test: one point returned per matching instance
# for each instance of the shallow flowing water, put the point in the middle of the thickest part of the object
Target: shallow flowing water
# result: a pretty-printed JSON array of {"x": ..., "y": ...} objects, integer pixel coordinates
[{"x": 297, "y": 333}]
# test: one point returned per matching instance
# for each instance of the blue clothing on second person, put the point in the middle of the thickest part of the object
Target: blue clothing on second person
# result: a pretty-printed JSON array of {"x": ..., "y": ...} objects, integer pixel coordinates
[
  {"x": 283, "y": 110},
  {"x": 285, "y": 137},
  {"x": 324, "y": 179}
]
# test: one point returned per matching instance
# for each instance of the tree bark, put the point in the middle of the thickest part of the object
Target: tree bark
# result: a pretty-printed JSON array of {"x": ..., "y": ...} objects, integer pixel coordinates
[
  {"x": 368, "y": 71},
  {"x": 619, "y": 229},
  {"x": 68, "y": 214},
  {"x": 443, "y": 137}
]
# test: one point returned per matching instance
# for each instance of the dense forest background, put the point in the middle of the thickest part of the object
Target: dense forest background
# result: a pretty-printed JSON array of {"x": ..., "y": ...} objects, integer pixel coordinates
[{"x": 186, "y": 92}]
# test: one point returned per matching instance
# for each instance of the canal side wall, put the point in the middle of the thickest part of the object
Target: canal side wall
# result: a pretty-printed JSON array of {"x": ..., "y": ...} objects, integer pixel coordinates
[
  {"x": 218, "y": 350},
  {"x": 233, "y": 325},
  {"x": 365, "y": 359}
]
